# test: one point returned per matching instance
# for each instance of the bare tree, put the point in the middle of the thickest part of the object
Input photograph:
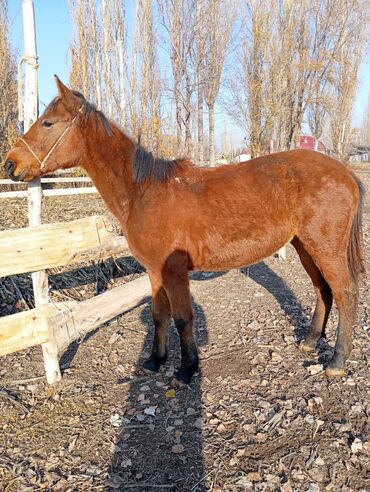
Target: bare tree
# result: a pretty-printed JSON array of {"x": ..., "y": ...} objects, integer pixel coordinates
[
  {"x": 98, "y": 53},
  {"x": 120, "y": 43},
  {"x": 255, "y": 53},
  {"x": 288, "y": 65},
  {"x": 8, "y": 84},
  {"x": 365, "y": 127},
  {"x": 220, "y": 17},
  {"x": 346, "y": 70},
  {"x": 295, "y": 60},
  {"x": 149, "y": 92},
  {"x": 95, "y": 51},
  {"x": 200, "y": 28},
  {"x": 178, "y": 17},
  {"x": 79, "y": 76}
]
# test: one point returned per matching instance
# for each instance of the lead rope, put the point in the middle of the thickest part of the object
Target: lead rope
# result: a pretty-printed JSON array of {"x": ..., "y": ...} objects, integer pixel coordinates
[{"x": 42, "y": 163}]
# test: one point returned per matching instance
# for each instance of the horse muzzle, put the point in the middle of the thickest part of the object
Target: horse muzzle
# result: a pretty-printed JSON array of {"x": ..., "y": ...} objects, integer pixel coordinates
[{"x": 10, "y": 168}]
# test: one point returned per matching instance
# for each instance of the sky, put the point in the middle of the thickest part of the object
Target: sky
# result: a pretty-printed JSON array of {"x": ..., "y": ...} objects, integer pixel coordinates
[{"x": 54, "y": 32}]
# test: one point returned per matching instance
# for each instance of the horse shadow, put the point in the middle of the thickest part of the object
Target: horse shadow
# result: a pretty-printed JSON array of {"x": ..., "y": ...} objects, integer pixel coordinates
[
  {"x": 102, "y": 273},
  {"x": 160, "y": 445},
  {"x": 298, "y": 316}
]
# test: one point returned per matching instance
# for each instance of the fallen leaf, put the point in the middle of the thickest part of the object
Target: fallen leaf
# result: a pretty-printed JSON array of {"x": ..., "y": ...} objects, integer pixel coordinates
[
  {"x": 150, "y": 411},
  {"x": 221, "y": 428},
  {"x": 315, "y": 369},
  {"x": 356, "y": 446},
  {"x": 72, "y": 443},
  {"x": 113, "y": 339},
  {"x": 115, "y": 420},
  {"x": 177, "y": 448},
  {"x": 126, "y": 463},
  {"x": 254, "y": 476},
  {"x": 171, "y": 393}
]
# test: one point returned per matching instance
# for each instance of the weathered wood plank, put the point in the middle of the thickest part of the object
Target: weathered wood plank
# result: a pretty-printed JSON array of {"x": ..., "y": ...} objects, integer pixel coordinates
[
  {"x": 26, "y": 329},
  {"x": 75, "y": 323},
  {"x": 63, "y": 323},
  {"x": 51, "y": 245}
]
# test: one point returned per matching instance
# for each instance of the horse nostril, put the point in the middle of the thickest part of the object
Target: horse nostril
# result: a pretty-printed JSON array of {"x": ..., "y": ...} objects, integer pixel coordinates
[{"x": 9, "y": 167}]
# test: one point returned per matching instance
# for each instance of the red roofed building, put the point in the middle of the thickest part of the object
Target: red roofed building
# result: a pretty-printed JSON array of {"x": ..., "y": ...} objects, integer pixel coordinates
[{"x": 308, "y": 142}]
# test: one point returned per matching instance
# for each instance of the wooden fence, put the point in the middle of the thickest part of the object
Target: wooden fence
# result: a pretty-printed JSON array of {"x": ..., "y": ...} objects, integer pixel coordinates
[{"x": 57, "y": 325}]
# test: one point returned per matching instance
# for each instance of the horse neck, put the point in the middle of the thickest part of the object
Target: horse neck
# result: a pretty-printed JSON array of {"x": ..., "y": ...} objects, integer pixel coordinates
[{"x": 108, "y": 161}]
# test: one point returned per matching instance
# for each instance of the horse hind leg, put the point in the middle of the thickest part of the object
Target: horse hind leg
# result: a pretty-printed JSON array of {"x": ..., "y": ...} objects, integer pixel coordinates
[
  {"x": 324, "y": 299},
  {"x": 335, "y": 271},
  {"x": 345, "y": 294}
]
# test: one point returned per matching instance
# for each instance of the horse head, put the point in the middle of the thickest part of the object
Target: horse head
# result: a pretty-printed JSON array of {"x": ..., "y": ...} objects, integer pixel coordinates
[{"x": 53, "y": 141}]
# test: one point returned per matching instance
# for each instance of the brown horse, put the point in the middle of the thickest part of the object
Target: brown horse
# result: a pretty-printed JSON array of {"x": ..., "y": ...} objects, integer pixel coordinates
[{"x": 179, "y": 217}]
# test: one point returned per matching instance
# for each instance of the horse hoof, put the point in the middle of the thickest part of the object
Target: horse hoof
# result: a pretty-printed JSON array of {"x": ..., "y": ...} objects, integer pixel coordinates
[
  {"x": 182, "y": 377},
  {"x": 153, "y": 364},
  {"x": 175, "y": 383},
  {"x": 334, "y": 372},
  {"x": 305, "y": 347}
]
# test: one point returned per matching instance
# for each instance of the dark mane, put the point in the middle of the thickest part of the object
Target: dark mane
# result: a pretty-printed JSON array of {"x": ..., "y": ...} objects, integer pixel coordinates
[
  {"x": 146, "y": 166},
  {"x": 90, "y": 109}
]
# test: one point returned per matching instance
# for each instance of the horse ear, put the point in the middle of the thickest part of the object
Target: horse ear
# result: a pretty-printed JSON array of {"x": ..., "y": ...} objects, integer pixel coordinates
[{"x": 66, "y": 95}]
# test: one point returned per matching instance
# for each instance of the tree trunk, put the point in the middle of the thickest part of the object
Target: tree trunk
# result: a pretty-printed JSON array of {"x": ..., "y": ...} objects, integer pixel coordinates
[
  {"x": 200, "y": 125},
  {"x": 178, "y": 114},
  {"x": 211, "y": 119},
  {"x": 106, "y": 51},
  {"x": 187, "y": 115}
]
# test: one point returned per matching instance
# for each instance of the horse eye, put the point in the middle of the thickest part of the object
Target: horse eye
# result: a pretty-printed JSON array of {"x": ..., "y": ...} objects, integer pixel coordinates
[{"x": 46, "y": 124}]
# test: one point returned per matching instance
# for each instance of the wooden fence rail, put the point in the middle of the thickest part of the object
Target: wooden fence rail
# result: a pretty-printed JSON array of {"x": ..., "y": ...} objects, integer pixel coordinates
[
  {"x": 83, "y": 179},
  {"x": 63, "y": 323},
  {"x": 53, "y": 192},
  {"x": 31, "y": 249}
]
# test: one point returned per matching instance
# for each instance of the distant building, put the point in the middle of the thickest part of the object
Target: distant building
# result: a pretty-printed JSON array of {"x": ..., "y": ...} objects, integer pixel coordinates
[
  {"x": 308, "y": 142},
  {"x": 359, "y": 153},
  {"x": 243, "y": 157}
]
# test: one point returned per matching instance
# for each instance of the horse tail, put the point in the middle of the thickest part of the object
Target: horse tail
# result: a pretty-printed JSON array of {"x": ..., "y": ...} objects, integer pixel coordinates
[{"x": 355, "y": 249}]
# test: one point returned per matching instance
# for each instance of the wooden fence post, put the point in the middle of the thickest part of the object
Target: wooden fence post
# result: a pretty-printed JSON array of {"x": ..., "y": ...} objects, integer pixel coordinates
[
  {"x": 39, "y": 279},
  {"x": 281, "y": 253}
]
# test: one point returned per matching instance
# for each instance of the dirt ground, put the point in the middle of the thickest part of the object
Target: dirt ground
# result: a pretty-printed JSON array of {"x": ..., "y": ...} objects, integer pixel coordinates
[{"x": 260, "y": 415}]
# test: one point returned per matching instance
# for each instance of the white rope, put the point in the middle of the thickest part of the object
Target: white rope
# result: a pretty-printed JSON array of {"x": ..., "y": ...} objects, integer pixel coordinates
[
  {"x": 32, "y": 61},
  {"x": 42, "y": 162}
]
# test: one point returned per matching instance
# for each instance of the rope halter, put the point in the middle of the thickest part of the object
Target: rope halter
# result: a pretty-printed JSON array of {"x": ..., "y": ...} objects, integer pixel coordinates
[{"x": 43, "y": 161}]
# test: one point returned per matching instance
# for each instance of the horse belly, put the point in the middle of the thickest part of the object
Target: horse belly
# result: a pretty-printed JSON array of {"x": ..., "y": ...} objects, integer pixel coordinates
[{"x": 217, "y": 254}]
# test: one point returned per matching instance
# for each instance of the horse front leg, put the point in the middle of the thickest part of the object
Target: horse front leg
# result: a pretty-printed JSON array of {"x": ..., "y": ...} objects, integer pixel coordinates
[
  {"x": 161, "y": 313},
  {"x": 176, "y": 283}
]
